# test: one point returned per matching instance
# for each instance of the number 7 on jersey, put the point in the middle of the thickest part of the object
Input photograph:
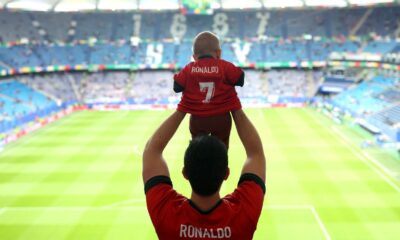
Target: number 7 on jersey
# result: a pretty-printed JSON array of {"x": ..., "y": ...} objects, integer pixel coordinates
[{"x": 209, "y": 88}]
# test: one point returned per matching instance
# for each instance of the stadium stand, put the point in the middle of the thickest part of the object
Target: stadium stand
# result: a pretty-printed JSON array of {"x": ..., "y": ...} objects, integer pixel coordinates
[
  {"x": 390, "y": 117},
  {"x": 47, "y": 42},
  {"x": 116, "y": 53},
  {"x": 56, "y": 86},
  {"x": 105, "y": 87},
  {"x": 366, "y": 98},
  {"x": 153, "y": 85},
  {"x": 241, "y": 24},
  {"x": 381, "y": 47},
  {"x": 20, "y": 104},
  {"x": 389, "y": 95},
  {"x": 292, "y": 83},
  {"x": 388, "y": 121},
  {"x": 381, "y": 22}
]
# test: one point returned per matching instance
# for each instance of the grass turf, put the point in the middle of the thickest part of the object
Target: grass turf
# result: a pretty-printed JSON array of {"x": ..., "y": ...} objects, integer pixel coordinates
[{"x": 80, "y": 178}]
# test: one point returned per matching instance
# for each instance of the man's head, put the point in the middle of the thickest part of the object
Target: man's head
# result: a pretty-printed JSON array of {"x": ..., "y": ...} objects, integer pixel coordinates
[
  {"x": 206, "y": 164},
  {"x": 206, "y": 43}
]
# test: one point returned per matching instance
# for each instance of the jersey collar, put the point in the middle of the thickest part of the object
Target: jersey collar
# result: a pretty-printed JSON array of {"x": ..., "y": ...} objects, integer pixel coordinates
[
  {"x": 204, "y": 211},
  {"x": 205, "y": 56}
]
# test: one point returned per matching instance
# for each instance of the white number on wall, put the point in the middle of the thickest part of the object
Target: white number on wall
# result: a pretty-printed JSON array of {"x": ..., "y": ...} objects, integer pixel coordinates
[
  {"x": 178, "y": 26},
  {"x": 221, "y": 26}
]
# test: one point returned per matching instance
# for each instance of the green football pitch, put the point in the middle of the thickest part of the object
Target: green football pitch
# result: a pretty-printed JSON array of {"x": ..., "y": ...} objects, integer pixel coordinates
[{"x": 80, "y": 178}]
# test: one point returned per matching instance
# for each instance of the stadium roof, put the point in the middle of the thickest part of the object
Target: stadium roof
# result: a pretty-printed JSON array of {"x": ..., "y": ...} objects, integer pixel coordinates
[{"x": 90, "y": 5}]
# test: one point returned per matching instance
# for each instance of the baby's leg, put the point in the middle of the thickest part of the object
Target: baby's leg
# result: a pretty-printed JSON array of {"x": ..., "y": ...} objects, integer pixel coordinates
[{"x": 219, "y": 126}]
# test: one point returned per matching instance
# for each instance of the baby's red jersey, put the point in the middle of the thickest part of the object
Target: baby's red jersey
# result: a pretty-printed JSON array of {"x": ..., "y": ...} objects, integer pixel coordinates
[
  {"x": 208, "y": 86},
  {"x": 176, "y": 217}
]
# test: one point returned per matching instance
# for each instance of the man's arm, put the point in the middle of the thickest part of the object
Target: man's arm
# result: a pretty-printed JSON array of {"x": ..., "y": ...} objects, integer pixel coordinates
[
  {"x": 178, "y": 88},
  {"x": 255, "y": 162},
  {"x": 153, "y": 160}
]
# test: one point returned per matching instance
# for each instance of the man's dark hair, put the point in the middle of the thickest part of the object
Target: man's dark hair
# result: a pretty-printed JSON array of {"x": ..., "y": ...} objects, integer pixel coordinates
[{"x": 206, "y": 164}]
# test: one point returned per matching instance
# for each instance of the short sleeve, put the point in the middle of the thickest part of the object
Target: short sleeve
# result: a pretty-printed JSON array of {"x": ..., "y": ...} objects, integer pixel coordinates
[
  {"x": 159, "y": 192},
  {"x": 254, "y": 178},
  {"x": 234, "y": 75},
  {"x": 250, "y": 192},
  {"x": 181, "y": 77}
]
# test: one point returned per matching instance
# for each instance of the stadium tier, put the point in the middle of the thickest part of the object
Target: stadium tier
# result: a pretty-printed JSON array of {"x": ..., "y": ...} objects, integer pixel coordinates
[
  {"x": 20, "y": 104},
  {"x": 155, "y": 25},
  {"x": 36, "y": 39},
  {"x": 157, "y": 54},
  {"x": 58, "y": 86},
  {"x": 368, "y": 97},
  {"x": 24, "y": 96},
  {"x": 46, "y": 42},
  {"x": 388, "y": 121}
]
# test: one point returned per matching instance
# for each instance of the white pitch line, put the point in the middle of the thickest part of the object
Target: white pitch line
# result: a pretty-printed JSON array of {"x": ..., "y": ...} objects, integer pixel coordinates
[
  {"x": 377, "y": 168},
  {"x": 365, "y": 159},
  {"x": 136, "y": 150},
  {"x": 380, "y": 165},
  {"x": 304, "y": 207},
  {"x": 320, "y": 223},
  {"x": 135, "y": 208}
]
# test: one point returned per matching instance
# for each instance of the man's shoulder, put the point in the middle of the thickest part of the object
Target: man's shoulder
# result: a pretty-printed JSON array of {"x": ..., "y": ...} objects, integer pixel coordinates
[
  {"x": 161, "y": 196},
  {"x": 251, "y": 177},
  {"x": 156, "y": 181},
  {"x": 249, "y": 186}
]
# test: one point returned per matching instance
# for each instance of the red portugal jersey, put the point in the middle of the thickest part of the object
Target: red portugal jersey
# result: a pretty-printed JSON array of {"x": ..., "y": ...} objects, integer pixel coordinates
[
  {"x": 208, "y": 86},
  {"x": 176, "y": 217}
]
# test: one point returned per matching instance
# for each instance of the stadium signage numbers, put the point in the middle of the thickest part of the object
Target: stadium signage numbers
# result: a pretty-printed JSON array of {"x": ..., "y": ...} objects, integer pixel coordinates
[{"x": 190, "y": 231}]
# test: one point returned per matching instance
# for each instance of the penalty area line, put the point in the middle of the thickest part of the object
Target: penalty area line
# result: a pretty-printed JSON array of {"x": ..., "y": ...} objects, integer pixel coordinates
[
  {"x": 376, "y": 166},
  {"x": 320, "y": 223},
  {"x": 136, "y": 150},
  {"x": 310, "y": 208}
]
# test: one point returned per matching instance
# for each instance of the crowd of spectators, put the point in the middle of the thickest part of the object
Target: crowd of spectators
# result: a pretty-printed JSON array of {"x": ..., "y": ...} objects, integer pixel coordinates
[
  {"x": 156, "y": 25},
  {"x": 49, "y": 38},
  {"x": 155, "y": 85},
  {"x": 166, "y": 53},
  {"x": 18, "y": 100},
  {"x": 368, "y": 98},
  {"x": 293, "y": 83},
  {"x": 105, "y": 87},
  {"x": 58, "y": 86}
]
